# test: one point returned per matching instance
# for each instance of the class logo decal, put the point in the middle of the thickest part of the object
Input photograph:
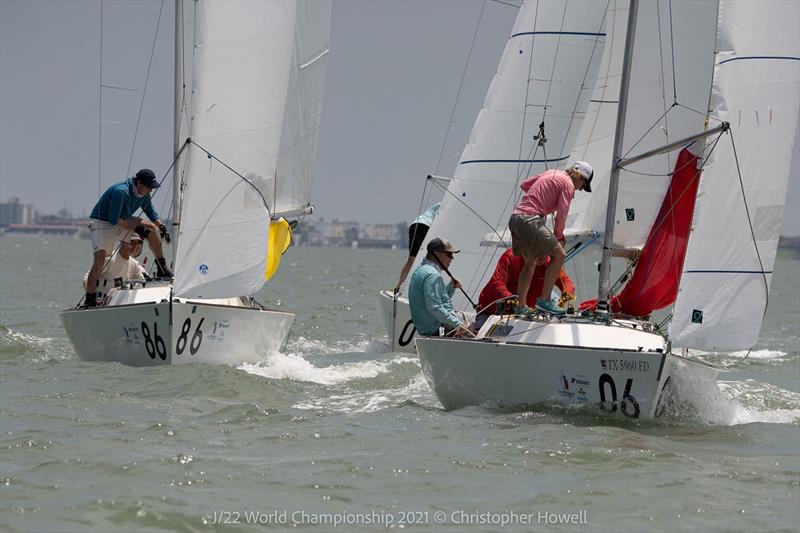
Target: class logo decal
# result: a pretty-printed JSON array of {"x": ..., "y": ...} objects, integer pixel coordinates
[
  {"x": 573, "y": 388},
  {"x": 203, "y": 269}
]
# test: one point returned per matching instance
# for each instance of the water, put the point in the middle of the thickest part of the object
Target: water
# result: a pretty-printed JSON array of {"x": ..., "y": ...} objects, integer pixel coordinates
[{"x": 338, "y": 434}]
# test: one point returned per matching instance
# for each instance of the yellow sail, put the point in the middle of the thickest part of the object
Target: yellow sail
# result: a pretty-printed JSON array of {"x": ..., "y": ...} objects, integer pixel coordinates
[{"x": 280, "y": 237}]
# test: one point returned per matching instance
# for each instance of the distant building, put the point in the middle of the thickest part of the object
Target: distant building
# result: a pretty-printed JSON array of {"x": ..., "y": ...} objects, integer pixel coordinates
[
  {"x": 380, "y": 236},
  {"x": 319, "y": 232},
  {"x": 14, "y": 212}
]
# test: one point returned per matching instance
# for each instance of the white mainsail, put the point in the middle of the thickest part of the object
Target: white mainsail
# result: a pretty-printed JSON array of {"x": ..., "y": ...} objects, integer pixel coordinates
[
  {"x": 257, "y": 79},
  {"x": 728, "y": 267},
  {"x": 546, "y": 73}
]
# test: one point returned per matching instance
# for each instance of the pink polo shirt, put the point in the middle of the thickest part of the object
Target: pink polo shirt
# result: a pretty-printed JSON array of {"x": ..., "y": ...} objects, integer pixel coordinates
[{"x": 545, "y": 193}]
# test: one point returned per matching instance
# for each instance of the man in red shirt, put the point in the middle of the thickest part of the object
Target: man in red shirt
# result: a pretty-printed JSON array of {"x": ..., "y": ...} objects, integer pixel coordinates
[
  {"x": 505, "y": 280},
  {"x": 549, "y": 192}
]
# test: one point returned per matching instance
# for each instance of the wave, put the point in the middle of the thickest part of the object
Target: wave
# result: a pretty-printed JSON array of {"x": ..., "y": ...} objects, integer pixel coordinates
[
  {"x": 416, "y": 391},
  {"x": 294, "y": 364},
  {"x": 689, "y": 398},
  {"x": 16, "y": 343}
]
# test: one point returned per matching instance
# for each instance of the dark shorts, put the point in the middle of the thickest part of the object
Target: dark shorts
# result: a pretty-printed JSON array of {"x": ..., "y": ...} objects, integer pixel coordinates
[
  {"x": 416, "y": 234},
  {"x": 530, "y": 236}
]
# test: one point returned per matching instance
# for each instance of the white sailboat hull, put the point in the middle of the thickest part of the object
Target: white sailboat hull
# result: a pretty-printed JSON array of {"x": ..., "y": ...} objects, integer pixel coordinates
[
  {"x": 164, "y": 332},
  {"x": 616, "y": 368},
  {"x": 397, "y": 319}
]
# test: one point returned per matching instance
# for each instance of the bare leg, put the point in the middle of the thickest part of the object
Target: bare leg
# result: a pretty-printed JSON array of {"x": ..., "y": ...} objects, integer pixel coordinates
[
  {"x": 557, "y": 257},
  {"x": 155, "y": 244},
  {"x": 97, "y": 267},
  {"x": 404, "y": 272},
  {"x": 525, "y": 276}
]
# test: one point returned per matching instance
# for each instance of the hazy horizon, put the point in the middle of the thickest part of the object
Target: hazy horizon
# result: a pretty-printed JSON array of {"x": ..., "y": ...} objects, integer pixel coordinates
[{"x": 393, "y": 75}]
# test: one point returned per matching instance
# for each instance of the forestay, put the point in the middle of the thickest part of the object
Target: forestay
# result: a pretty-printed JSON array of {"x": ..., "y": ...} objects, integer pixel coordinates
[
  {"x": 732, "y": 247},
  {"x": 241, "y": 67},
  {"x": 546, "y": 73}
]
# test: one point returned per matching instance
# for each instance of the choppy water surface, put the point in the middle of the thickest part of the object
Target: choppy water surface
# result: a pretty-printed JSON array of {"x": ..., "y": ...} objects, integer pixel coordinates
[{"x": 338, "y": 434}]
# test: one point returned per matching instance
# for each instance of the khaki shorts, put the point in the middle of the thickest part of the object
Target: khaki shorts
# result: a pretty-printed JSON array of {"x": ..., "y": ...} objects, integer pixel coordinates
[
  {"x": 105, "y": 236},
  {"x": 530, "y": 237}
]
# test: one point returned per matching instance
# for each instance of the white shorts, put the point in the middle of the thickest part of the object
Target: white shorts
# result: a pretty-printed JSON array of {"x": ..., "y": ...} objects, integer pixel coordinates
[{"x": 105, "y": 236}]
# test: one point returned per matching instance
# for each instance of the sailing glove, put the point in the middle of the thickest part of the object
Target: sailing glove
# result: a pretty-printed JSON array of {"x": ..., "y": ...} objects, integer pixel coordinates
[
  {"x": 142, "y": 231},
  {"x": 164, "y": 235}
]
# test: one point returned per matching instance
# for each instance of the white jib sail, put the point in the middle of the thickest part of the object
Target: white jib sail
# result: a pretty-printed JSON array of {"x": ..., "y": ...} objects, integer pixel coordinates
[
  {"x": 547, "y": 72},
  {"x": 731, "y": 251},
  {"x": 240, "y": 77},
  {"x": 291, "y": 194}
]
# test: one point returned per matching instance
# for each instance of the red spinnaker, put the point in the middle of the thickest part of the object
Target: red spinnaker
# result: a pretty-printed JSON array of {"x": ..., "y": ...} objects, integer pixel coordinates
[{"x": 654, "y": 284}]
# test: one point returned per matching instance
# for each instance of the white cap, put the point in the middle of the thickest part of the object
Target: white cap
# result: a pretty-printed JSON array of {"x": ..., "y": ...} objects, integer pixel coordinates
[{"x": 586, "y": 171}]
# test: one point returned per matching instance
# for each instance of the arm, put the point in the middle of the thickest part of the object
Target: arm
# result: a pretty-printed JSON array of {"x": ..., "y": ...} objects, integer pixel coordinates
[
  {"x": 525, "y": 185},
  {"x": 499, "y": 280},
  {"x": 150, "y": 212},
  {"x": 564, "y": 283},
  {"x": 435, "y": 299},
  {"x": 562, "y": 211}
]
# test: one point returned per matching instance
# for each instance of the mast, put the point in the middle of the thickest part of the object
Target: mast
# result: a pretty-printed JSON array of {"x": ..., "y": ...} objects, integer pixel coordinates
[
  {"x": 611, "y": 210},
  {"x": 176, "y": 143}
]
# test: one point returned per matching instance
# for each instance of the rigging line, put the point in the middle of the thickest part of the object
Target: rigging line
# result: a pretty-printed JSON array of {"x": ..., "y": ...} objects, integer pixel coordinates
[
  {"x": 604, "y": 86},
  {"x": 555, "y": 58},
  {"x": 460, "y": 86},
  {"x": 462, "y": 202},
  {"x": 506, "y": 3},
  {"x": 224, "y": 164},
  {"x": 583, "y": 81},
  {"x": 527, "y": 90},
  {"x": 672, "y": 47},
  {"x": 701, "y": 113},
  {"x": 752, "y": 235},
  {"x": 100, "y": 112},
  {"x": 663, "y": 75},
  {"x": 144, "y": 89},
  {"x": 647, "y": 132}
]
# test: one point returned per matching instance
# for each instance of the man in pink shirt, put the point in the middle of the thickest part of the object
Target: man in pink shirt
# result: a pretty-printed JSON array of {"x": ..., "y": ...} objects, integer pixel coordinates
[{"x": 545, "y": 193}]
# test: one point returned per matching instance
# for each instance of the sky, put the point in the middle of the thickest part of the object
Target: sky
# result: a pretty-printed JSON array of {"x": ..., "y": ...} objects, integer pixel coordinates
[{"x": 393, "y": 76}]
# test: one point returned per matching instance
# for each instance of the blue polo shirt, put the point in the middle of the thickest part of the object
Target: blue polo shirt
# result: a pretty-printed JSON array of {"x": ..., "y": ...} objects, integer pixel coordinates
[
  {"x": 120, "y": 202},
  {"x": 431, "y": 300}
]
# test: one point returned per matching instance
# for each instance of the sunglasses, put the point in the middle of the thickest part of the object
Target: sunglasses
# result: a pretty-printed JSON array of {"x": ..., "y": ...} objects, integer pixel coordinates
[{"x": 448, "y": 254}]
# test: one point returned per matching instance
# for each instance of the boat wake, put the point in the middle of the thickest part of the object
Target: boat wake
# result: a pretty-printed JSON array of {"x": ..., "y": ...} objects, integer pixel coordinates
[
  {"x": 311, "y": 361},
  {"x": 693, "y": 400},
  {"x": 415, "y": 391},
  {"x": 43, "y": 348}
]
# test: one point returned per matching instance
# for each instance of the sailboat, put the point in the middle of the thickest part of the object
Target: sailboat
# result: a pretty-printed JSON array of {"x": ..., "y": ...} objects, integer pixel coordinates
[
  {"x": 707, "y": 95},
  {"x": 249, "y": 84},
  {"x": 530, "y": 120}
]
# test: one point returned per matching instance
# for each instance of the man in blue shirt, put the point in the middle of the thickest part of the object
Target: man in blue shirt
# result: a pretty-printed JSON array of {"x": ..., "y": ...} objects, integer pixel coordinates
[
  {"x": 112, "y": 220},
  {"x": 429, "y": 297}
]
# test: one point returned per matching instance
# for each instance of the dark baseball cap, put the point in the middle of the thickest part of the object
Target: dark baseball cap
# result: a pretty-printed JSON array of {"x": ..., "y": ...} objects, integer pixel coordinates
[
  {"x": 441, "y": 245},
  {"x": 147, "y": 178}
]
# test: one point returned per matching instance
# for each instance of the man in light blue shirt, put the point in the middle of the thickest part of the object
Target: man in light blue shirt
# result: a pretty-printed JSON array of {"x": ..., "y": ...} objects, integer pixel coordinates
[{"x": 429, "y": 297}]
